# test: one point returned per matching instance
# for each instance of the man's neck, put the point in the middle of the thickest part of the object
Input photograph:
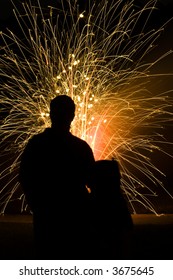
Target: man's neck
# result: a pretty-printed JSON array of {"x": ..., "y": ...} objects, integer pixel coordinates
[{"x": 60, "y": 128}]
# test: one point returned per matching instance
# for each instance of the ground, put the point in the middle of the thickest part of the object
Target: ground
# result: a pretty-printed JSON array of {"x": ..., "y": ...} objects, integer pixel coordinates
[{"x": 152, "y": 239}]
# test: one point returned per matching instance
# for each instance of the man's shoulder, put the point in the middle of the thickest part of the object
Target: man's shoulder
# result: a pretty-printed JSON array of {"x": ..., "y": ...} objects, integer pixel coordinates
[
  {"x": 79, "y": 141},
  {"x": 82, "y": 148},
  {"x": 38, "y": 138}
]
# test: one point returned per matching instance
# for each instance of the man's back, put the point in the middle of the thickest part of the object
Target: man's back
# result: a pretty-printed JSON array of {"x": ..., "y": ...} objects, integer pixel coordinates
[
  {"x": 53, "y": 171},
  {"x": 53, "y": 175},
  {"x": 54, "y": 166}
]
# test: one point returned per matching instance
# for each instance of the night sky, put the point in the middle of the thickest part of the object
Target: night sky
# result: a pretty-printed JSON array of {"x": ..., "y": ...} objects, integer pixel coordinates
[
  {"x": 165, "y": 43},
  {"x": 163, "y": 14}
]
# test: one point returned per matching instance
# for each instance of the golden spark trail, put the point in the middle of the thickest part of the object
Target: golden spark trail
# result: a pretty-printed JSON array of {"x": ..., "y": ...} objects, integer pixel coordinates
[{"x": 99, "y": 59}]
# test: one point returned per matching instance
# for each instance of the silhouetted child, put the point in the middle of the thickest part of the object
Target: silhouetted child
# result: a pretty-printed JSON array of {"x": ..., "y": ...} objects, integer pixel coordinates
[{"x": 110, "y": 219}]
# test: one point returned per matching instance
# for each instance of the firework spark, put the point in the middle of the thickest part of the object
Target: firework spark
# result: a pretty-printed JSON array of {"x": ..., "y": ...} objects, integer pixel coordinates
[{"x": 98, "y": 58}]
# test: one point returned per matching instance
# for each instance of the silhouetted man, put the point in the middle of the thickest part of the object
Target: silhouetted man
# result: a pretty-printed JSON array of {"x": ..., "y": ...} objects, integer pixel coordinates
[{"x": 53, "y": 172}]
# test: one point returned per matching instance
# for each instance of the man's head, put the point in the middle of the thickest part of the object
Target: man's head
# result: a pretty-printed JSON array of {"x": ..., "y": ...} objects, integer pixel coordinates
[{"x": 62, "y": 111}]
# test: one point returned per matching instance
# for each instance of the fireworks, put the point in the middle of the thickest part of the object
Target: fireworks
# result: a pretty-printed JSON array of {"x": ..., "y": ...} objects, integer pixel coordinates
[{"x": 98, "y": 57}]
